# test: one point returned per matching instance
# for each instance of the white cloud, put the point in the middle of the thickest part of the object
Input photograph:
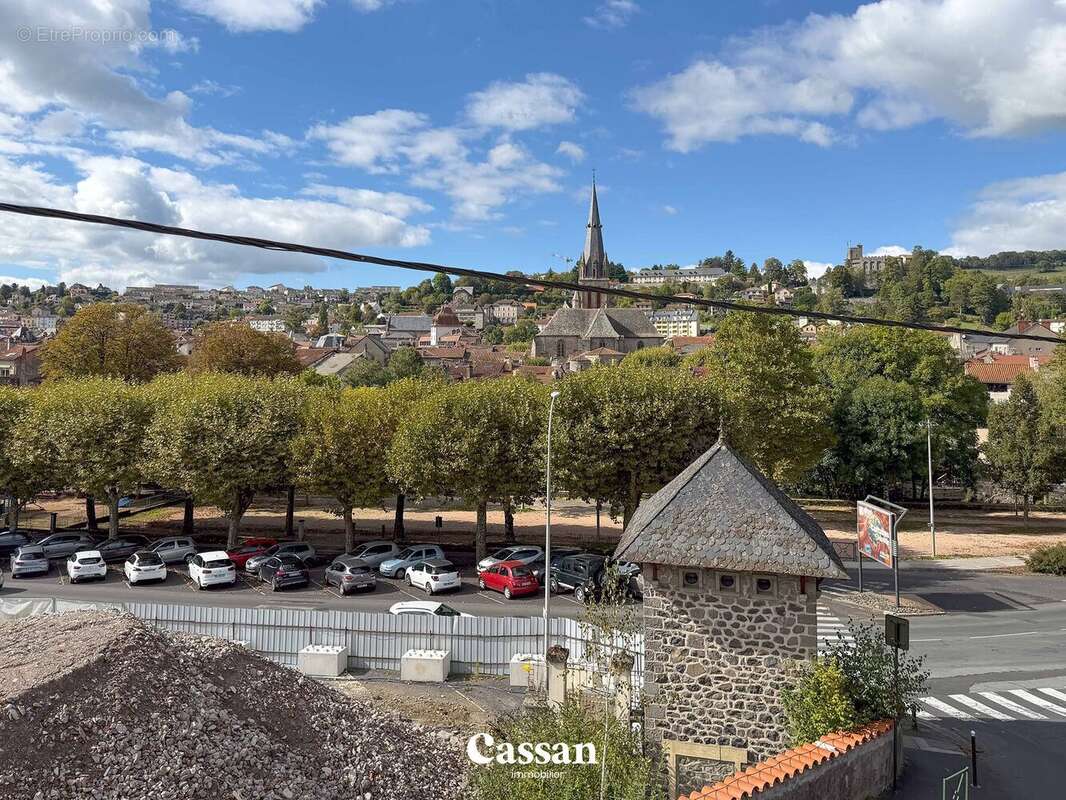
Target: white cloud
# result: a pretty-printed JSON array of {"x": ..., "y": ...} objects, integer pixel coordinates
[
  {"x": 890, "y": 64},
  {"x": 612, "y": 14},
  {"x": 128, "y": 187},
  {"x": 669, "y": 210},
  {"x": 33, "y": 283},
  {"x": 542, "y": 99},
  {"x": 255, "y": 15},
  {"x": 815, "y": 269},
  {"x": 1021, "y": 214},
  {"x": 374, "y": 142},
  {"x": 890, "y": 250},
  {"x": 571, "y": 150}
]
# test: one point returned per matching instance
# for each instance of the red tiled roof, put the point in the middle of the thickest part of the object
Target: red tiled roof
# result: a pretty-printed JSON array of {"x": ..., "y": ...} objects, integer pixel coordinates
[
  {"x": 309, "y": 356},
  {"x": 784, "y": 766},
  {"x": 678, "y": 342},
  {"x": 997, "y": 372},
  {"x": 18, "y": 351},
  {"x": 442, "y": 352}
]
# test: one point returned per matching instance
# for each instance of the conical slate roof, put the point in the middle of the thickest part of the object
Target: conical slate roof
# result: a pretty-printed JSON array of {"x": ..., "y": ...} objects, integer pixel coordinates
[
  {"x": 720, "y": 512},
  {"x": 594, "y": 258}
]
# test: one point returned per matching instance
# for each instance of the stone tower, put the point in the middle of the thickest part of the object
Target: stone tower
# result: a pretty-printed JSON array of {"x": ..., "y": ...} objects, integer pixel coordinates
[
  {"x": 731, "y": 568},
  {"x": 592, "y": 266}
]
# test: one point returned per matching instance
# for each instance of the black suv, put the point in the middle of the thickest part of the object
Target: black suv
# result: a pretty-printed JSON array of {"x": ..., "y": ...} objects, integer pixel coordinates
[{"x": 584, "y": 574}]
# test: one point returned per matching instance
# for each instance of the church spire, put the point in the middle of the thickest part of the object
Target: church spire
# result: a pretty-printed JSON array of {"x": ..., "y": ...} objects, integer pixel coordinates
[{"x": 594, "y": 259}]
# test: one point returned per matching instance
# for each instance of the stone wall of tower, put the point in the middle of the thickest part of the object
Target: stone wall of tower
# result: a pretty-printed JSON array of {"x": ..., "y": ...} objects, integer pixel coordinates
[{"x": 716, "y": 657}]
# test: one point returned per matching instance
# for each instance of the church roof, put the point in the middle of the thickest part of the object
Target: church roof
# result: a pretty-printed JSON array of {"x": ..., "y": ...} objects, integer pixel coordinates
[
  {"x": 603, "y": 323},
  {"x": 594, "y": 252},
  {"x": 446, "y": 317},
  {"x": 720, "y": 512}
]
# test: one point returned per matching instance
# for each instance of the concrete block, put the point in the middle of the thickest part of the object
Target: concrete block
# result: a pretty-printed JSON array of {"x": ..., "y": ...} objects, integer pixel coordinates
[
  {"x": 527, "y": 671},
  {"x": 323, "y": 660},
  {"x": 426, "y": 666}
]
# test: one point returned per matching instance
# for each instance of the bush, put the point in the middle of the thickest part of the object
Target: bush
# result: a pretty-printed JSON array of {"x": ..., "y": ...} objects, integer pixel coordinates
[
  {"x": 1051, "y": 560},
  {"x": 819, "y": 703},
  {"x": 629, "y": 774}
]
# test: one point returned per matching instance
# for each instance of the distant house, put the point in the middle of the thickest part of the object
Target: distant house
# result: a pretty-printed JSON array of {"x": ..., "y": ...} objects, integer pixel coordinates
[
  {"x": 445, "y": 323},
  {"x": 601, "y": 356},
  {"x": 974, "y": 345},
  {"x": 367, "y": 345},
  {"x": 506, "y": 312},
  {"x": 998, "y": 372},
  {"x": 266, "y": 324},
  {"x": 690, "y": 344},
  {"x": 311, "y": 357},
  {"x": 20, "y": 365},
  {"x": 670, "y": 322},
  {"x": 404, "y": 330}
]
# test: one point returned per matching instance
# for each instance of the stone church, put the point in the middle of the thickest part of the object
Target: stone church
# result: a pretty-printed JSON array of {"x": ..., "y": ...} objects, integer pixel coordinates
[{"x": 591, "y": 323}]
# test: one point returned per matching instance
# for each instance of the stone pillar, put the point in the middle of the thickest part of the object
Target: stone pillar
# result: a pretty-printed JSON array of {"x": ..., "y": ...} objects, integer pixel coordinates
[{"x": 557, "y": 658}]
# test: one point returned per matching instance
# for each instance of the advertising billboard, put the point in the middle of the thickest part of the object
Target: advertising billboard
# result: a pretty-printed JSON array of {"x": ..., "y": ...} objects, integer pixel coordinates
[{"x": 875, "y": 532}]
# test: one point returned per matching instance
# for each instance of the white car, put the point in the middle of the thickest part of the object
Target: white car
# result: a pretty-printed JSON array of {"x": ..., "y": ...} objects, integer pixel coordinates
[
  {"x": 425, "y": 607},
  {"x": 86, "y": 564},
  {"x": 211, "y": 569},
  {"x": 434, "y": 575},
  {"x": 526, "y": 553},
  {"x": 144, "y": 565}
]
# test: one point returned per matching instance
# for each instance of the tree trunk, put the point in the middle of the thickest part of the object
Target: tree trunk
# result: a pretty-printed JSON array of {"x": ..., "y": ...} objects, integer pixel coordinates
[
  {"x": 508, "y": 523},
  {"x": 187, "y": 522},
  {"x": 397, "y": 523},
  {"x": 599, "y": 508},
  {"x": 112, "y": 515},
  {"x": 290, "y": 506},
  {"x": 239, "y": 507},
  {"x": 349, "y": 531},
  {"x": 1025, "y": 508},
  {"x": 9, "y": 511},
  {"x": 90, "y": 513},
  {"x": 480, "y": 531},
  {"x": 16, "y": 507}
]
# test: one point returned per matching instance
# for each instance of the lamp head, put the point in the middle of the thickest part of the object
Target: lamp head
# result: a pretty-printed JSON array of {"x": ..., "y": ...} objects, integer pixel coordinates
[{"x": 554, "y": 394}]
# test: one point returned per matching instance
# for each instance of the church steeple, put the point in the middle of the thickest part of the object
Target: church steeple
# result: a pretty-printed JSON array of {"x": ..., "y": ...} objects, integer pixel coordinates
[{"x": 592, "y": 268}]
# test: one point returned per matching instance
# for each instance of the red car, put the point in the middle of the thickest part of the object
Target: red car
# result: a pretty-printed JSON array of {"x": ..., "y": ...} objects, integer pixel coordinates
[
  {"x": 513, "y": 578},
  {"x": 249, "y": 548}
]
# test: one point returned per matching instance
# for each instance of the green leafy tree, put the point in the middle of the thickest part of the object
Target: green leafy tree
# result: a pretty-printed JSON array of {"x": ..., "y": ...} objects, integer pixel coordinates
[
  {"x": 477, "y": 440},
  {"x": 493, "y": 334},
  {"x": 24, "y": 473},
  {"x": 772, "y": 407},
  {"x": 110, "y": 341},
  {"x": 367, "y": 372},
  {"x": 295, "y": 318},
  {"x": 1022, "y": 449},
  {"x": 235, "y": 347},
  {"x": 405, "y": 362},
  {"x": 223, "y": 438},
  {"x": 653, "y": 357},
  {"x": 522, "y": 331},
  {"x": 620, "y": 433},
  {"x": 818, "y": 702},
  {"x": 340, "y": 452},
  {"x": 92, "y": 432},
  {"x": 322, "y": 322}
]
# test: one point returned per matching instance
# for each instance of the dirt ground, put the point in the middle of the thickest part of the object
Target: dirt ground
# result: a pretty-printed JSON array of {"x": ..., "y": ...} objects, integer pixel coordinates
[{"x": 960, "y": 532}]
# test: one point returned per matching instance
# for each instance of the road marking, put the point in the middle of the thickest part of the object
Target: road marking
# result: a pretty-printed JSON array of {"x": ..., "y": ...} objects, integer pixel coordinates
[
  {"x": 488, "y": 596},
  {"x": 1011, "y": 705},
  {"x": 927, "y": 640},
  {"x": 979, "y": 707},
  {"x": 1038, "y": 701},
  {"x": 944, "y": 708},
  {"x": 1053, "y": 693},
  {"x": 1004, "y": 635},
  {"x": 469, "y": 700}
]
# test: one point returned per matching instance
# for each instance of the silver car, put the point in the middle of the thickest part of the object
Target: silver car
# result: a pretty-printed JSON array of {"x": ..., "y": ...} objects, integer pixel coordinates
[
  {"x": 373, "y": 553},
  {"x": 302, "y": 550},
  {"x": 61, "y": 545},
  {"x": 350, "y": 574},
  {"x": 175, "y": 549},
  {"x": 29, "y": 559}
]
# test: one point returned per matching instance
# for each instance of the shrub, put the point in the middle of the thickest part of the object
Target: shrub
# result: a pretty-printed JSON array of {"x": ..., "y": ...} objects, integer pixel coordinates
[
  {"x": 629, "y": 774},
  {"x": 819, "y": 703},
  {"x": 1050, "y": 560}
]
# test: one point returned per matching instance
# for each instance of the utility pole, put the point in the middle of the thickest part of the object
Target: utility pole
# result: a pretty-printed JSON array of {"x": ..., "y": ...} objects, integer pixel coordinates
[
  {"x": 929, "y": 451},
  {"x": 548, "y": 541}
]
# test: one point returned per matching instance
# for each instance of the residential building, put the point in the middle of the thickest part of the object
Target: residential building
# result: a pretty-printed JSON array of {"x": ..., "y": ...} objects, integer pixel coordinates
[
  {"x": 870, "y": 265},
  {"x": 685, "y": 345},
  {"x": 402, "y": 330},
  {"x": 506, "y": 312},
  {"x": 691, "y": 274},
  {"x": 367, "y": 345},
  {"x": 971, "y": 345},
  {"x": 445, "y": 323},
  {"x": 670, "y": 322},
  {"x": 998, "y": 372},
  {"x": 601, "y": 356},
  {"x": 266, "y": 324},
  {"x": 472, "y": 315},
  {"x": 20, "y": 365}
]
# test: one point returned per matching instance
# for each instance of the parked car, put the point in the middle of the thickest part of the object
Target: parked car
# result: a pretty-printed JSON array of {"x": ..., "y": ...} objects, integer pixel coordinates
[
  {"x": 10, "y": 541},
  {"x": 211, "y": 569},
  {"x": 144, "y": 565},
  {"x": 122, "y": 547},
  {"x": 433, "y": 575},
  {"x": 373, "y": 553},
  {"x": 350, "y": 574},
  {"x": 61, "y": 545},
  {"x": 584, "y": 574},
  {"x": 284, "y": 570},
  {"x": 558, "y": 554},
  {"x": 426, "y": 607},
  {"x": 86, "y": 564},
  {"x": 525, "y": 553},
  {"x": 249, "y": 548},
  {"x": 301, "y": 550},
  {"x": 29, "y": 560},
  {"x": 396, "y": 567},
  {"x": 174, "y": 549},
  {"x": 513, "y": 578}
]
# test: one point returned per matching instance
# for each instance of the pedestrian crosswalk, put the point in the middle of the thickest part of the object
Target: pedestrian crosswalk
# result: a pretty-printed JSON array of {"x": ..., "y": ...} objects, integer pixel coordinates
[
  {"x": 1006, "y": 705},
  {"x": 830, "y": 628}
]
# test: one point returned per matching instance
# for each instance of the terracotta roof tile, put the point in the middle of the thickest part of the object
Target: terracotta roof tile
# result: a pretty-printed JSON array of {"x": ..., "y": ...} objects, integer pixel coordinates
[
  {"x": 996, "y": 372},
  {"x": 757, "y": 778}
]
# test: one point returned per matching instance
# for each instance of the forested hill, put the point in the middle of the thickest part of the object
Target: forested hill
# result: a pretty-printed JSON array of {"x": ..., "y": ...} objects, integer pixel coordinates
[{"x": 1039, "y": 260}]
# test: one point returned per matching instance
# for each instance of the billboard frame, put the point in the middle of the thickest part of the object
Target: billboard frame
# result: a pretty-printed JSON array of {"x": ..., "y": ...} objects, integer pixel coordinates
[{"x": 896, "y": 513}]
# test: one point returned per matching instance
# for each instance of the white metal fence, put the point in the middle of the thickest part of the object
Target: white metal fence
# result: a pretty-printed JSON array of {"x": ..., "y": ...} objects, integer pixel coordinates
[{"x": 478, "y": 645}]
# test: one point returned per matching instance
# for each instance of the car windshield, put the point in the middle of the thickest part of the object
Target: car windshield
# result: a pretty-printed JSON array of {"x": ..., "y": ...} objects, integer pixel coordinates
[
  {"x": 407, "y": 552},
  {"x": 360, "y": 550},
  {"x": 219, "y": 563},
  {"x": 520, "y": 572},
  {"x": 447, "y": 611},
  {"x": 271, "y": 550},
  {"x": 36, "y": 552},
  {"x": 92, "y": 560}
]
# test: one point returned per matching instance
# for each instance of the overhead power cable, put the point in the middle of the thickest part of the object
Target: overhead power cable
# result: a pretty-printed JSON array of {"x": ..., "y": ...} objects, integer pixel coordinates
[{"x": 614, "y": 291}]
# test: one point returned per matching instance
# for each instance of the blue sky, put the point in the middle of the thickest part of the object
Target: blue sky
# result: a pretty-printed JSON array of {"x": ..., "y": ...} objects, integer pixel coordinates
[{"x": 465, "y": 132}]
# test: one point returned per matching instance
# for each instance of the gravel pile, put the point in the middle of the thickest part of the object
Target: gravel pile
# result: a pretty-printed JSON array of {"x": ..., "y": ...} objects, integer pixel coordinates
[{"x": 100, "y": 705}]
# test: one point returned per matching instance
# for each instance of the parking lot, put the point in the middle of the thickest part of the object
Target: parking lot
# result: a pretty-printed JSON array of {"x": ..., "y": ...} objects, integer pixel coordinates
[{"x": 250, "y": 592}]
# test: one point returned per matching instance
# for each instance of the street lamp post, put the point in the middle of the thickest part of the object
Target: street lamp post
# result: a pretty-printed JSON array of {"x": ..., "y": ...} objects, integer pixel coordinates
[
  {"x": 929, "y": 451},
  {"x": 548, "y": 539}
]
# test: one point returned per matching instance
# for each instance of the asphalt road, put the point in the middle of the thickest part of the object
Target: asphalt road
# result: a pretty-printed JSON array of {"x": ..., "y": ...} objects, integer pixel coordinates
[{"x": 249, "y": 592}]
